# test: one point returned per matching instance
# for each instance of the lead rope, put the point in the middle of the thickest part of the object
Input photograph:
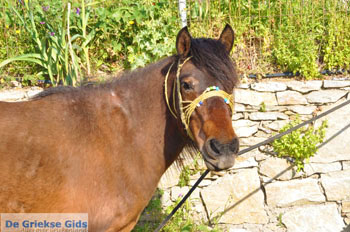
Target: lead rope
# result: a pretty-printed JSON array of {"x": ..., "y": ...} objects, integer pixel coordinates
[{"x": 267, "y": 141}]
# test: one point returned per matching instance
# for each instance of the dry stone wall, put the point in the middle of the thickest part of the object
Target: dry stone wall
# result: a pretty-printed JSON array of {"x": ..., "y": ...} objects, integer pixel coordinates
[
  {"x": 265, "y": 193},
  {"x": 262, "y": 192}
]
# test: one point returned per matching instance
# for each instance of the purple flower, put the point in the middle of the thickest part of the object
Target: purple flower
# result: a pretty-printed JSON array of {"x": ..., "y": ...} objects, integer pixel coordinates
[
  {"x": 52, "y": 33},
  {"x": 77, "y": 11},
  {"x": 42, "y": 23},
  {"x": 46, "y": 8}
]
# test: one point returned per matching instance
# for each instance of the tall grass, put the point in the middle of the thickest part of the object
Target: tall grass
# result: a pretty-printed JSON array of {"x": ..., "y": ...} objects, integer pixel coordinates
[{"x": 301, "y": 36}]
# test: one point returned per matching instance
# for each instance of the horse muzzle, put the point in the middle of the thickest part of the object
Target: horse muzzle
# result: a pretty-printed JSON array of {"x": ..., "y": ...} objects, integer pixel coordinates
[{"x": 220, "y": 156}]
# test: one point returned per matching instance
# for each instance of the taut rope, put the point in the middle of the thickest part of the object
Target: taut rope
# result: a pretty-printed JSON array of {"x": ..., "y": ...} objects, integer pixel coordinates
[{"x": 186, "y": 111}]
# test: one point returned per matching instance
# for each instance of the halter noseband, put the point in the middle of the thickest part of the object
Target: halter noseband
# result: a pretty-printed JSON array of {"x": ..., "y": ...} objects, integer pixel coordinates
[{"x": 186, "y": 111}]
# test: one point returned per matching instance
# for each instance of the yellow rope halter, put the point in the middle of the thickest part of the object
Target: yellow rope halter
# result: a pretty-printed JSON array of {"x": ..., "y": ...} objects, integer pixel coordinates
[{"x": 186, "y": 111}]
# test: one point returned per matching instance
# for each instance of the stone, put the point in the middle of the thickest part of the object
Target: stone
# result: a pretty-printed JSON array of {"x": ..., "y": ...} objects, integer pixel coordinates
[
  {"x": 338, "y": 148},
  {"x": 249, "y": 97},
  {"x": 281, "y": 116},
  {"x": 166, "y": 200},
  {"x": 262, "y": 116},
  {"x": 12, "y": 95},
  {"x": 251, "y": 141},
  {"x": 244, "y": 162},
  {"x": 325, "y": 96},
  {"x": 243, "y": 123},
  {"x": 336, "y": 185},
  {"x": 303, "y": 109},
  {"x": 170, "y": 177},
  {"x": 244, "y": 86},
  {"x": 203, "y": 183},
  {"x": 263, "y": 132},
  {"x": 293, "y": 192},
  {"x": 265, "y": 116},
  {"x": 237, "y": 230},
  {"x": 237, "y": 116},
  {"x": 277, "y": 125},
  {"x": 244, "y": 132},
  {"x": 345, "y": 207},
  {"x": 313, "y": 218},
  {"x": 335, "y": 84},
  {"x": 346, "y": 165},
  {"x": 178, "y": 192},
  {"x": 239, "y": 195},
  {"x": 290, "y": 98},
  {"x": 273, "y": 167},
  {"x": 32, "y": 92},
  {"x": 269, "y": 86},
  {"x": 312, "y": 168},
  {"x": 304, "y": 87},
  {"x": 239, "y": 108}
]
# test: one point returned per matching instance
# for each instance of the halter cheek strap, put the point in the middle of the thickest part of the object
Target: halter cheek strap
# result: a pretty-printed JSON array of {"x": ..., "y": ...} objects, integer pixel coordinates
[{"x": 186, "y": 111}]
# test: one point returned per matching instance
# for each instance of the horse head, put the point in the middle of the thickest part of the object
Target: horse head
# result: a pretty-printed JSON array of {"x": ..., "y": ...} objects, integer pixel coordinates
[{"x": 205, "y": 80}]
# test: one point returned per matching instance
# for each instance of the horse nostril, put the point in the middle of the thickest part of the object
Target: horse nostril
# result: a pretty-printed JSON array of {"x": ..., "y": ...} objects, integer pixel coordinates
[
  {"x": 234, "y": 145},
  {"x": 214, "y": 145}
]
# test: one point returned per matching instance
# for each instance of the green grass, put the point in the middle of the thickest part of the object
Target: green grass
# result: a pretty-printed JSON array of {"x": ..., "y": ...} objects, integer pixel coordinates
[{"x": 303, "y": 36}]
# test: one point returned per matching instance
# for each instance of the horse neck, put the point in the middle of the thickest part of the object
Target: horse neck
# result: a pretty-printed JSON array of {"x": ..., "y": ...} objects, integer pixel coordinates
[{"x": 155, "y": 123}]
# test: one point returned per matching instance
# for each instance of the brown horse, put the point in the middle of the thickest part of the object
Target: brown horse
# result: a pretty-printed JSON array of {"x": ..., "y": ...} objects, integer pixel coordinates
[{"x": 102, "y": 149}]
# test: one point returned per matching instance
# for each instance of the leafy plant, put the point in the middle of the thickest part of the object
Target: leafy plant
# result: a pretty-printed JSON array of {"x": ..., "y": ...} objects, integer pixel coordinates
[
  {"x": 55, "y": 51},
  {"x": 300, "y": 144},
  {"x": 187, "y": 171}
]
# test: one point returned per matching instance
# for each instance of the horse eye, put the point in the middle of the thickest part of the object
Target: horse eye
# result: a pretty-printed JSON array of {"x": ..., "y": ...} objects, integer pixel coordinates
[{"x": 186, "y": 86}]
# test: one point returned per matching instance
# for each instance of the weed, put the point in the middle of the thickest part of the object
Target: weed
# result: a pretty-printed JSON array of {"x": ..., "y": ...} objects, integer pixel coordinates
[{"x": 300, "y": 144}]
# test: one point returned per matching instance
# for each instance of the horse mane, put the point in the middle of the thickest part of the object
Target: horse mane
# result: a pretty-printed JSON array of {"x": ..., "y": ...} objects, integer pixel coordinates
[{"x": 211, "y": 55}]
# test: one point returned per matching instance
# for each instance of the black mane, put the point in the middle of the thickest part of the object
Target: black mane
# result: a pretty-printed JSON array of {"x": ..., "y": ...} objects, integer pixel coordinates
[{"x": 212, "y": 56}]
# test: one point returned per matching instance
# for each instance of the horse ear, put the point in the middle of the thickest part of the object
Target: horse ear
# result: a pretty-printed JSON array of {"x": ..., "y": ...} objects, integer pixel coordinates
[
  {"x": 183, "y": 42},
  {"x": 227, "y": 37}
]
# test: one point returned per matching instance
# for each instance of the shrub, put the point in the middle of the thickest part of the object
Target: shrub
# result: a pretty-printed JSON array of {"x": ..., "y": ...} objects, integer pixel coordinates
[{"x": 300, "y": 144}]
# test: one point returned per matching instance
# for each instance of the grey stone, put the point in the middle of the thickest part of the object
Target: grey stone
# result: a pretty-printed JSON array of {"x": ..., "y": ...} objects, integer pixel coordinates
[
  {"x": 251, "y": 141},
  {"x": 269, "y": 86},
  {"x": 345, "y": 207},
  {"x": 244, "y": 86},
  {"x": 244, "y": 132},
  {"x": 265, "y": 116},
  {"x": 237, "y": 230},
  {"x": 260, "y": 116},
  {"x": 178, "y": 192},
  {"x": 239, "y": 108},
  {"x": 335, "y": 84},
  {"x": 203, "y": 183},
  {"x": 290, "y": 98},
  {"x": 346, "y": 165},
  {"x": 226, "y": 192},
  {"x": 336, "y": 185},
  {"x": 313, "y": 218},
  {"x": 293, "y": 192},
  {"x": 12, "y": 95},
  {"x": 254, "y": 98},
  {"x": 302, "y": 109},
  {"x": 325, "y": 96},
  {"x": 337, "y": 149},
  {"x": 273, "y": 167},
  {"x": 32, "y": 92},
  {"x": 277, "y": 125},
  {"x": 281, "y": 116},
  {"x": 244, "y": 162},
  {"x": 243, "y": 123},
  {"x": 304, "y": 87},
  {"x": 170, "y": 177},
  {"x": 312, "y": 168},
  {"x": 237, "y": 116}
]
